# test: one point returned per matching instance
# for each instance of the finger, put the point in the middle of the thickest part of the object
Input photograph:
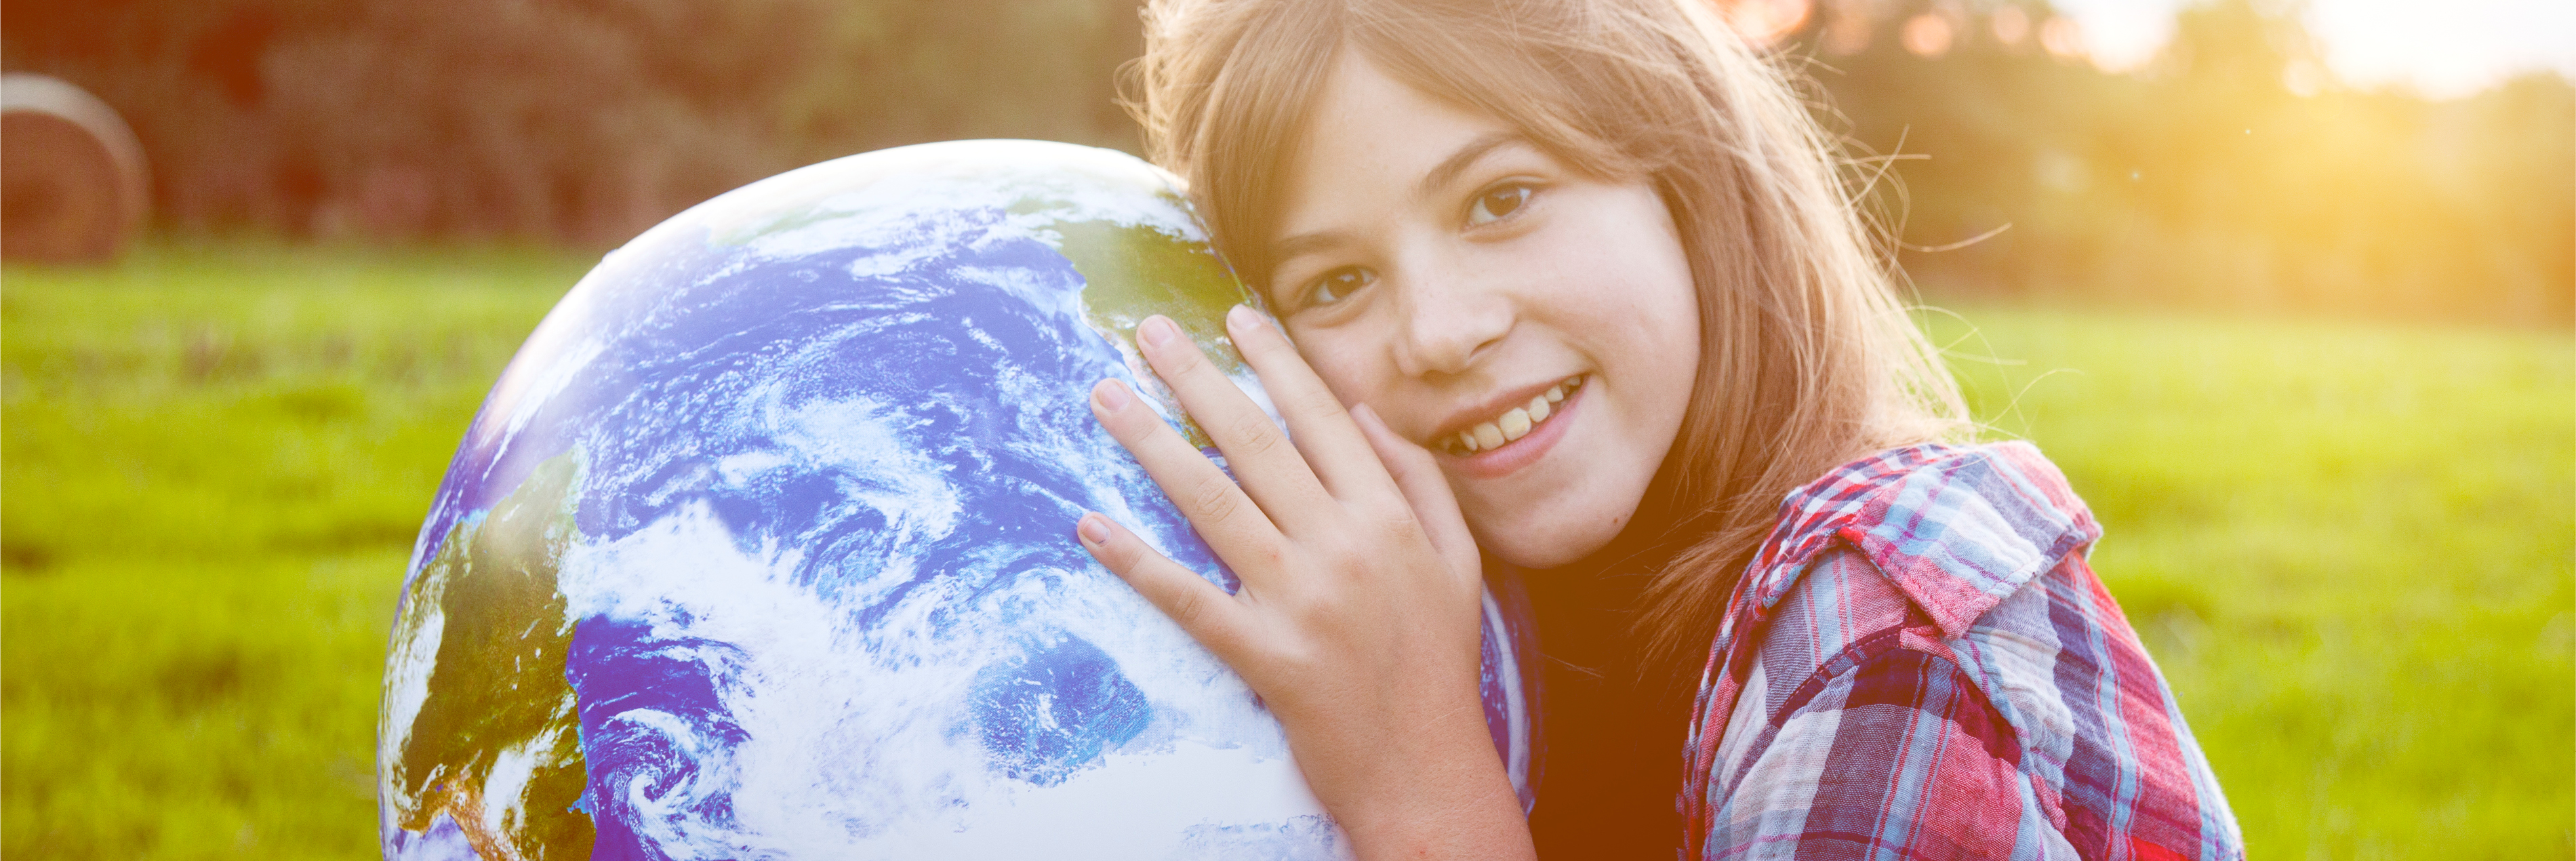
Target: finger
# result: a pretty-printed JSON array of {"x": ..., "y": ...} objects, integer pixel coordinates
[
  {"x": 1418, "y": 477},
  {"x": 1224, "y": 516},
  {"x": 1209, "y": 614},
  {"x": 1273, "y": 472},
  {"x": 1334, "y": 448}
]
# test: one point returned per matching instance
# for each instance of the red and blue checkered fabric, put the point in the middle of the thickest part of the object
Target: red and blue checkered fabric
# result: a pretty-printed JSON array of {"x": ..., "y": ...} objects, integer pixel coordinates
[{"x": 1919, "y": 664}]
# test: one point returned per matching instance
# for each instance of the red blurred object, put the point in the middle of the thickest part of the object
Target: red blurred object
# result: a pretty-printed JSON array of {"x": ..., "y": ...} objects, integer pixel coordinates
[{"x": 73, "y": 184}]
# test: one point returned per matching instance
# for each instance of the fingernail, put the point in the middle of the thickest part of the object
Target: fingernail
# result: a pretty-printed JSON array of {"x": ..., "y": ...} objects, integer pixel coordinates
[
  {"x": 1110, "y": 394},
  {"x": 1094, "y": 529},
  {"x": 1158, "y": 330},
  {"x": 1242, "y": 317}
]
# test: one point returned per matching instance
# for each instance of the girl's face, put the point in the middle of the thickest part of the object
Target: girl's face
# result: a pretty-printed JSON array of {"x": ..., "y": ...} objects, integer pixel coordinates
[{"x": 1535, "y": 328}]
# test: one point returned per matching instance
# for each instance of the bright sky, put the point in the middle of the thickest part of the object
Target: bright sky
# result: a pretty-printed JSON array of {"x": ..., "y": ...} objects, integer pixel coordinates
[{"x": 2441, "y": 47}]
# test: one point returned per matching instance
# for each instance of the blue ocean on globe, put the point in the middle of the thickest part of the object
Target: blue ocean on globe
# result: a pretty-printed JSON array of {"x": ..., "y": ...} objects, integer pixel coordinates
[{"x": 760, "y": 547}]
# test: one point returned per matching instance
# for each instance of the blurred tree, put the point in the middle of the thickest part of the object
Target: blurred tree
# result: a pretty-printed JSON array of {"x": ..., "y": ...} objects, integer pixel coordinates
[
  {"x": 2225, "y": 174},
  {"x": 572, "y": 120}
]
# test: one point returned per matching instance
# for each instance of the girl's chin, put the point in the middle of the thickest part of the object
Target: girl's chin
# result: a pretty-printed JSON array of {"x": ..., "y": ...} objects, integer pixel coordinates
[{"x": 1538, "y": 546}]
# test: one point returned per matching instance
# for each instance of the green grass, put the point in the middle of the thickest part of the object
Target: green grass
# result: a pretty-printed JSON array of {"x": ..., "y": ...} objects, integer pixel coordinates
[
  {"x": 214, "y": 463},
  {"x": 2351, "y": 546}
]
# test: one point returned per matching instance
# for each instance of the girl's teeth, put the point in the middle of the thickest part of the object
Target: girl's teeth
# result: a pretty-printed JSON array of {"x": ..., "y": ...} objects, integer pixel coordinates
[{"x": 1514, "y": 424}]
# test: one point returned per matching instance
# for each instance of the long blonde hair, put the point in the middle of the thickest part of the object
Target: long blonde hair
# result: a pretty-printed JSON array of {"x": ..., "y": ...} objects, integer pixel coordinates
[{"x": 1808, "y": 358}]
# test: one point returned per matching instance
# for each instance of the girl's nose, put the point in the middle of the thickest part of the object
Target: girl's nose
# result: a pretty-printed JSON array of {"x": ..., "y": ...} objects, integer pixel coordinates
[{"x": 1448, "y": 319}]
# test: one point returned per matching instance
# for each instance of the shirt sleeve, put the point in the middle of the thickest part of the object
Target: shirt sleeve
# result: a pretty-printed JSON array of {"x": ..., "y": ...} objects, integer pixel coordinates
[{"x": 1885, "y": 749}]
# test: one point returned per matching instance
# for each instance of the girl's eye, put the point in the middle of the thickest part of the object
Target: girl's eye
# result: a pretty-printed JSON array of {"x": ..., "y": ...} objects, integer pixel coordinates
[
  {"x": 1337, "y": 284},
  {"x": 1498, "y": 204}
]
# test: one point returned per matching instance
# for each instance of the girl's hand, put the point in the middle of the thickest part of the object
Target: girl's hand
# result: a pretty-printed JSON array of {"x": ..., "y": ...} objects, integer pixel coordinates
[{"x": 1358, "y": 617}]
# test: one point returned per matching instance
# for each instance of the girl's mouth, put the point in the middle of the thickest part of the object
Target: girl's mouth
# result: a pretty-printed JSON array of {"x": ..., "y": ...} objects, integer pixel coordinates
[
  {"x": 1514, "y": 423},
  {"x": 1519, "y": 435}
]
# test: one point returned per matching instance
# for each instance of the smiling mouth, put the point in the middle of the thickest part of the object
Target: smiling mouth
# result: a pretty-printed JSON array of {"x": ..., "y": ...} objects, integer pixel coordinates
[{"x": 1513, "y": 423}]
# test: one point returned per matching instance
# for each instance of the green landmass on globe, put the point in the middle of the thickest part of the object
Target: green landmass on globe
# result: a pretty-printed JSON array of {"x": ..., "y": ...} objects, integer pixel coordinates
[
  {"x": 1134, "y": 271},
  {"x": 497, "y": 687}
]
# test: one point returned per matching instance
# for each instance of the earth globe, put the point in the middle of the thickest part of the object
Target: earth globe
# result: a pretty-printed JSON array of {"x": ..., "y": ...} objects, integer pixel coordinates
[{"x": 760, "y": 547}]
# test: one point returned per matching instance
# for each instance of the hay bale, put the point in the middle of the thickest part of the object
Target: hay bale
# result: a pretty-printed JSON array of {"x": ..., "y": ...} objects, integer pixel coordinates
[{"x": 73, "y": 185}]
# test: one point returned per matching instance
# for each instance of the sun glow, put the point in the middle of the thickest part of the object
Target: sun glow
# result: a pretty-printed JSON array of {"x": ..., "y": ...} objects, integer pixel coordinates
[{"x": 2441, "y": 49}]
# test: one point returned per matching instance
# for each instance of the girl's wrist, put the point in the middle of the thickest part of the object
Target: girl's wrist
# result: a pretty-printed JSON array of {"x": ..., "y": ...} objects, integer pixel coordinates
[{"x": 1438, "y": 792}]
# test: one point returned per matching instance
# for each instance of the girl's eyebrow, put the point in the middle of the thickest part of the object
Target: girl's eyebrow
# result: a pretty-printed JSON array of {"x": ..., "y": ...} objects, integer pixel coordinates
[
  {"x": 1302, "y": 244},
  {"x": 1438, "y": 176},
  {"x": 1458, "y": 162}
]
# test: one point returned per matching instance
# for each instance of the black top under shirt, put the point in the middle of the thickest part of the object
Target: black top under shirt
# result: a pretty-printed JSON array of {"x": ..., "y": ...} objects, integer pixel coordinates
[{"x": 1612, "y": 735}]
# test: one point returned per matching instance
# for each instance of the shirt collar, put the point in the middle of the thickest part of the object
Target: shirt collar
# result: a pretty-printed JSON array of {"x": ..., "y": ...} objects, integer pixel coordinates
[{"x": 1956, "y": 528}]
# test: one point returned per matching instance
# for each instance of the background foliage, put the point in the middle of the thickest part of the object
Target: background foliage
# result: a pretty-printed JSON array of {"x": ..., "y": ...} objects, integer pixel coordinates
[
  {"x": 2233, "y": 172},
  {"x": 579, "y": 121},
  {"x": 2208, "y": 179}
]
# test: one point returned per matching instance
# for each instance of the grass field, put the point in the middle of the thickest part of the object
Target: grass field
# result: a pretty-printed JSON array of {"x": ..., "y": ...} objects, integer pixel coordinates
[{"x": 2352, "y": 547}]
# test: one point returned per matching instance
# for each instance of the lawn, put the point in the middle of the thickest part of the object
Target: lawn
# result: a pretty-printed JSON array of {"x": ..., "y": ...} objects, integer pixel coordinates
[{"x": 2353, "y": 547}]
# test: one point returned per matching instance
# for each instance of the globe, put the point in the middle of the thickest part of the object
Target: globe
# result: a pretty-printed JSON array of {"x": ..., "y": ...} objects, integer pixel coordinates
[{"x": 761, "y": 546}]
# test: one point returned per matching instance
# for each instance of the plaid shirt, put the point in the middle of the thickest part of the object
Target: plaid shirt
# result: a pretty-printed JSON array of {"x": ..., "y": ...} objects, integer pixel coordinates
[{"x": 1919, "y": 664}]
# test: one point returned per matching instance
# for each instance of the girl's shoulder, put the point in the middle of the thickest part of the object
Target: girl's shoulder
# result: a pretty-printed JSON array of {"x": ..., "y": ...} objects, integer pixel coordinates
[
  {"x": 1933, "y": 599},
  {"x": 1957, "y": 528}
]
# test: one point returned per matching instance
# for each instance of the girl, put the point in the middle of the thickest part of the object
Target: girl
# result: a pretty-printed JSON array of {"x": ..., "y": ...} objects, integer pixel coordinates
[{"x": 1573, "y": 288}]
